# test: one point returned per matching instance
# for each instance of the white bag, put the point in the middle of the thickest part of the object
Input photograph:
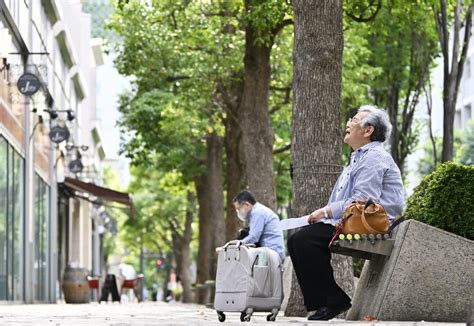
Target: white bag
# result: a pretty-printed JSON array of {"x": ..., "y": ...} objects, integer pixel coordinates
[{"x": 248, "y": 279}]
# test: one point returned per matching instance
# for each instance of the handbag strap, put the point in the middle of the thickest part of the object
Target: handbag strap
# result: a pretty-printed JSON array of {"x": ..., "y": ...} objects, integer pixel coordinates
[
  {"x": 395, "y": 223},
  {"x": 338, "y": 228},
  {"x": 369, "y": 202},
  {"x": 366, "y": 224}
]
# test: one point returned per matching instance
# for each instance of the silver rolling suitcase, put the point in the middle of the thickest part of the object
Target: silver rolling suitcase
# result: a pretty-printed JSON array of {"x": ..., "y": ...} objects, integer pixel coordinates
[{"x": 248, "y": 280}]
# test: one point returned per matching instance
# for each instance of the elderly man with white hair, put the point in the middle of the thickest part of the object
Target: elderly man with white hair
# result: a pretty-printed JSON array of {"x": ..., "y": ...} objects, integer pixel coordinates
[{"x": 372, "y": 173}]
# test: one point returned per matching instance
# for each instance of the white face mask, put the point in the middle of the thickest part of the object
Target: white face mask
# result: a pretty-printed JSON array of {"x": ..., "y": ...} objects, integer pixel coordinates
[{"x": 241, "y": 214}]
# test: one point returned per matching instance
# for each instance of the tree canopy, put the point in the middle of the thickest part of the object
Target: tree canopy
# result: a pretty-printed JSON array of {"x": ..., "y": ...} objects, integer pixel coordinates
[{"x": 208, "y": 74}]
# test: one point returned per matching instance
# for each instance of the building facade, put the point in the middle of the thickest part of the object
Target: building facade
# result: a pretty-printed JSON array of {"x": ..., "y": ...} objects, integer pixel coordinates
[{"x": 45, "y": 227}]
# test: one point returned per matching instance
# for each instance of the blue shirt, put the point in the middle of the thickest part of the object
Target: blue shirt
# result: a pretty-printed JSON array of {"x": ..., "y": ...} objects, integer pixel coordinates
[
  {"x": 372, "y": 173},
  {"x": 264, "y": 228}
]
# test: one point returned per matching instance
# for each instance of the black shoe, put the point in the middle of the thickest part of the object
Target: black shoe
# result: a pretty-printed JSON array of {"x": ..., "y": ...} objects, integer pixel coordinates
[
  {"x": 320, "y": 312},
  {"x": 327, "y": 313}
]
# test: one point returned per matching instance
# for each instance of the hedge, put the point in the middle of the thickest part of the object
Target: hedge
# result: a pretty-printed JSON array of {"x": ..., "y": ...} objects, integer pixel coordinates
[{"x": 445, "y": 199}]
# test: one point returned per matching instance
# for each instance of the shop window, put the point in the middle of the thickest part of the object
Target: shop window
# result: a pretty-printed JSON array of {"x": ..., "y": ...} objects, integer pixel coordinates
[
  {"x": 11, "y": 222},
  {"x": 41, "y": 279}
]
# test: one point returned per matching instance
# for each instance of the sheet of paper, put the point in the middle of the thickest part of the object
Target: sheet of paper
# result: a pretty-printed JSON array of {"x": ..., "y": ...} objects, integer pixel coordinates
[{"x": 293, "y": 223}]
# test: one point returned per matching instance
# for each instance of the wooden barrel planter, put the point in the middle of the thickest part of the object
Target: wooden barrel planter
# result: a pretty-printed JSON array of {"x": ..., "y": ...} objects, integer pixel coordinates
[{"x": 75, "y": 285}]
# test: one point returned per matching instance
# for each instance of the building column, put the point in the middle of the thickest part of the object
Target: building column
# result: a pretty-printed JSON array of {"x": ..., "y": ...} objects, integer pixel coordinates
[
  {"x": 53, "y": 228},
  {"x": 29, "y": 206}
]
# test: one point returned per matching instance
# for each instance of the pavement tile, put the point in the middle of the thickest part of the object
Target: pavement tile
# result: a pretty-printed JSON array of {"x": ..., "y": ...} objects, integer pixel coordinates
[{"x": 152, "y": 313}]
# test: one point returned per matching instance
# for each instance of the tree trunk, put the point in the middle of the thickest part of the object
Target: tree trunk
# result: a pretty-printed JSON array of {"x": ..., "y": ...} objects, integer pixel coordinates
[
  {"x": 186, "y": 249},
  {"x": 230, "y": 96},
  {"x": 317, "y": 131},
  {"x": 216, "y": 189},
  {"x": 449, "y": 107},
  {"x": 234, "y": 169},
  {"x": 392, "y": 111},
  {"x": 429, "y": 107},
  {"x": 205, "y": 240},
  {"x": 211, "y": 212},
  {"x": 176, "y": 240},
  {"x": 169, "y": 268},
  {"x": 256, "y": 149}
]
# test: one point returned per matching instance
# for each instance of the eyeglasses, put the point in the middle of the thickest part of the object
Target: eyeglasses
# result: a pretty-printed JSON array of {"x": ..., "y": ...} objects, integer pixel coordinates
[{"x": 354, "y": 120}]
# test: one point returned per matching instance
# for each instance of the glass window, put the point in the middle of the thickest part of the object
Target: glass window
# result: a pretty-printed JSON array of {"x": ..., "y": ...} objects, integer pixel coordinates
[
  {"x": 11, "y": 222},
  {"x": 18, "y": 213},
  {"x": 41, "y": 239},
  {"x": 3, "y": 217}
]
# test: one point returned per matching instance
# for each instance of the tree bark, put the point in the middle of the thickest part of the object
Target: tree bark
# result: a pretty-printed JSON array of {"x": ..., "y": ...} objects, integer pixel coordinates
[
  {"x": 317, "y": 132},
  {"x": 429, "y": 107},
  {"x": 216, "y": 189},
  {"x": 186, "y": 249},
  {"x": 205, "y": 241},
  {"x": 392, "y": 111},
  {"x": 233, "y": 167},
  {"x": 230, "y": 95},
  {"x": 256, "y": 150},
  {"x": 209, "y": 191},
  {"x": 175, "y": 262}
]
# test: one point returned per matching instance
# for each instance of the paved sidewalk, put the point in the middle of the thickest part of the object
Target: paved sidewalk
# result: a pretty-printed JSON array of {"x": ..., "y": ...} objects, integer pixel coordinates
[{"x": 149, "y": 313}]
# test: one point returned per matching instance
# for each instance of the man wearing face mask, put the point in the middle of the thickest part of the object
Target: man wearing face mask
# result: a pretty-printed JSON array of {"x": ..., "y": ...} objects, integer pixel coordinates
[{"x": 262, "y": 221}]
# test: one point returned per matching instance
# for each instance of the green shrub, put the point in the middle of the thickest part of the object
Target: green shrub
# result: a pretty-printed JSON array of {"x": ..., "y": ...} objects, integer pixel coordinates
[{"x": 445, "y": 199}]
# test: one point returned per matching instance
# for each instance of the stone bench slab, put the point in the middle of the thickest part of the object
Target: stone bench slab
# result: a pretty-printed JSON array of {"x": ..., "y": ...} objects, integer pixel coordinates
[
  {"x": 363, "y": 248},
  {"x": 428, "y": 276}
]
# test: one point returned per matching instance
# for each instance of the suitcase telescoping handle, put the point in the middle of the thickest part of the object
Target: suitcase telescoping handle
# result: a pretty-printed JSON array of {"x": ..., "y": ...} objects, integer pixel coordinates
[{"x": 238, "y": 244}]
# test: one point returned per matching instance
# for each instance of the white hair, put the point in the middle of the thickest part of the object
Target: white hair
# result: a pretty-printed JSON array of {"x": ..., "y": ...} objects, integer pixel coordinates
[{"x": 377, "y": 118}]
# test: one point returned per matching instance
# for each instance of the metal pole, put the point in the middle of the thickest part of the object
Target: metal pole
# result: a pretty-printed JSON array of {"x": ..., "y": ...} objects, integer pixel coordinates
[
  {"x": 142, "y": 266},
  {"x": 29, "y": 207},
  {"x": 53, "y": 227},
  {"x": 95, "y": 251}
]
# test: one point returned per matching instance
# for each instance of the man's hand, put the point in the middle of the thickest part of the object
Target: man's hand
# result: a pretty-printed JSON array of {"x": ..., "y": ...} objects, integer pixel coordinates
[{"x": 316, "y": 216}]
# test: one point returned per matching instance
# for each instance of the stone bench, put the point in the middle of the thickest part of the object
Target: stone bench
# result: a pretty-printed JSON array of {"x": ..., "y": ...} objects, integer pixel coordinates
[
  {"x": 421, "y": 273},
  {"x": 210, "y": 286},
  {"x": 366, "y": 248},
  {"x": 207, "y": 290}
]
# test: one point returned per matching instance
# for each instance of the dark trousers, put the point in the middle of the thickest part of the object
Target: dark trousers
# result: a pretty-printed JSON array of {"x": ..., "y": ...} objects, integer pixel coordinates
[{"x": 311, "y": 260}]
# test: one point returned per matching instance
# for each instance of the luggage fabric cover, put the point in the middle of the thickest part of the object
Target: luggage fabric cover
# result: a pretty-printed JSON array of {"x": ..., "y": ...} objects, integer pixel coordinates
[{"x": 242, "y": 281}]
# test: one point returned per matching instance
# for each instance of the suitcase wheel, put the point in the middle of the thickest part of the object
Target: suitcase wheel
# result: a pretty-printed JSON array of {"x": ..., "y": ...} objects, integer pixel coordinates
[
  {"x": 221, "y": 316},
  {"x": 271, "y": 317},
  {"x": 244, "y": 316}
]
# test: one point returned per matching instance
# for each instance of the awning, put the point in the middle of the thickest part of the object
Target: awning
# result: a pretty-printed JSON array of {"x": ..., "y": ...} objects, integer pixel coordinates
[{"x": 100, "y": 192}]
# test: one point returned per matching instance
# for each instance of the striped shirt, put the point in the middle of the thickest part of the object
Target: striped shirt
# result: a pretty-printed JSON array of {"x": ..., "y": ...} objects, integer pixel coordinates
[
  {"x": 264, "y": 228},
  {"x": 372, "y": 173}
]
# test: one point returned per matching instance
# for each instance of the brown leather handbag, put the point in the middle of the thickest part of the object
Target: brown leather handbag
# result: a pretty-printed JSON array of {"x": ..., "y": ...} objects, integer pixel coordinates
[
  {"x": 362, "y": 217},
  {"x": 365, "y": 217}
]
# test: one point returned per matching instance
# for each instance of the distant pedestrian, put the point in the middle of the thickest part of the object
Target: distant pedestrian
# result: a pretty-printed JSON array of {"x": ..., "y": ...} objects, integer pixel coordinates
[{"x": 127, "y": 271}]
